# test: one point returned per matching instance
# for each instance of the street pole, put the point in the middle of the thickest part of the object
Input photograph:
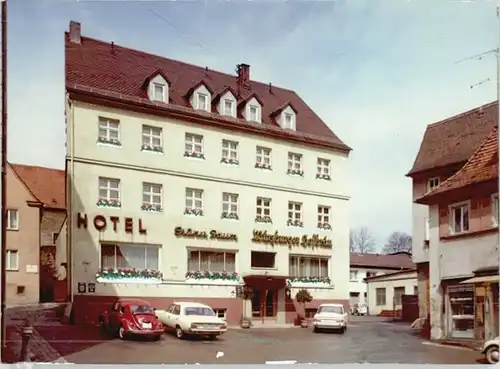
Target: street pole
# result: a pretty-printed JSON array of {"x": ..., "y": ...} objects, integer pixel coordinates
[{"x": 3, "y": 200}]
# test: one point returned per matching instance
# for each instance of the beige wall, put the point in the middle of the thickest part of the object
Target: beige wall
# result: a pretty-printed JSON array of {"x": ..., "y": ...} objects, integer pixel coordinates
[
  {"x": 406, "y": 280},
  {"x": 26, "y": 241},
  {"x": 52, "y": 221}
]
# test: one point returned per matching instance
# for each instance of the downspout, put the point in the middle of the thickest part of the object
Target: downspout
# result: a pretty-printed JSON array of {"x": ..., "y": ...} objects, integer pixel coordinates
[{"x": 69, "y": 182}]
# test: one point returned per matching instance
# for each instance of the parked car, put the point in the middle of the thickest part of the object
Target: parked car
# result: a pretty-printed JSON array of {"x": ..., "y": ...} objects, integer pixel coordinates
[
  {"x": 330, "y": 317},
  {"x": 360, "y": 309},
  {"x": 490, "y": 350},
  {"x": 192, "y": 318},
  {"x": 128, "y": 317}
]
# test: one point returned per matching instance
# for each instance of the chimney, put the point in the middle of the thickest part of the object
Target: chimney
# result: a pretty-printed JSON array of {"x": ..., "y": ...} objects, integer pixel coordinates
[
  {"x": 243, "y": 76},
  {"x": 75, "y": 35}
]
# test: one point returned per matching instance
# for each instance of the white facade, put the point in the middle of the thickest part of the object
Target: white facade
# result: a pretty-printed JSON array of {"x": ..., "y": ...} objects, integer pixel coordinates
[
  {"x": 174, "y": 172},
  {"x": 383, "y": 289}
]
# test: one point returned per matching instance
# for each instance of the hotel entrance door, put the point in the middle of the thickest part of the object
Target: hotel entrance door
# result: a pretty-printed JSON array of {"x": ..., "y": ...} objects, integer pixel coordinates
[{"x": 264, "y": 303}]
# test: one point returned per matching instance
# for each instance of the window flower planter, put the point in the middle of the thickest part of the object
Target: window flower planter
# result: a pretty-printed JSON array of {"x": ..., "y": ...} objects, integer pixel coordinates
[
  {"x": 325, "y": 177},
  {"x": 230, "y": 161},
  {"x": 108, "y": 203},
  {"x": 125, "y": 275},
  {"x": 294, "y": 223},
  {"x": 325, "y": 226},
  {"x": 150, "y": 148},
  {"x": 311, "y": 280},
  {"x": 214, "y": 276},
  {"x": 106, "y": 141},
  {"x": 263, "y": 166},
  {"x": 294, "y": 172},
  {"x": 197, "y": 155},
  {"x": 226, "y": 215},
  {"x": 151, "y": 207},
  {"x": 197, "y": 212},
  {"x": 261, "y": 219}
]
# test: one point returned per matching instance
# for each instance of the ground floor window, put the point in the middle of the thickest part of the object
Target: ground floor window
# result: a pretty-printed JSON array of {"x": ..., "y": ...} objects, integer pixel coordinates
[
  {"x": 308, "y": 266},
  {"x": 212, "y": 261},
  {"x": 380, "y": 296},
  {"x": 220, "y": 313},
  {"x": 129, "y": 256},
  {"x": 398, "y": 295},
  {"x": 460, "y": 311}
]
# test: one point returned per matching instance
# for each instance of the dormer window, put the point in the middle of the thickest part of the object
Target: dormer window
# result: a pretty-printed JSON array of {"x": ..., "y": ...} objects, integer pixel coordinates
[
  {"x": 288, "y": 121},
  {"x": 254, "y": 113},
  {"x": 157, "y": 87},
  {"x": 202, "y": 101},
  {"x": 158, "y": 92},
  {"x": 228, "y": 107}
]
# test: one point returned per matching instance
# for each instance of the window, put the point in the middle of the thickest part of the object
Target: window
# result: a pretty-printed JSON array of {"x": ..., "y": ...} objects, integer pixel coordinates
[
  {"x": 432, "y": 184},
  {"x": 12, "y": 260},
  {"x": 308, "y": 266},
  {"x": 194, "y": 201},
  {"x": 193, "y": 146},
  {"x": 353, "y": 275},
  {"x": 202, "y": 101},
  {"x": 152, "y": 196},
  {"x": 109, "y": 131},
  {"x": 220, "y": 313},
  {"x": 459, "y": 218},
  {"x": 398, "y": 295},
  {"x": 263, "y": 158},
  {"x": 152, "y": 138},
  {"x": 415, "y": 290},
  {"x": 129, "y": 256},
  {"x": 323, "y": 169},
  {"x": 212, "y": 261},
  {"x": 265, "y": 260},
  {"x": 324, "y": 217},
  {"x": 370, "y": 274},
  {"x": 263, "y": 210},
  {"x": 427, "y": 229},
  {"x": 228, "y": 107},
  {"x": 254, "y": 113},
  {"x": 229, "y": 205},
  {"x": 288, "y": 121},
  {"x": 229, "y": 152},
  {"x": 380, "y": 296},
  {"x": 495, "y": 209},
  {"x": 12, "y": 219},
  {"x": 158, "y": 92},
  {"x": 295, "y": 164},
  {"x": 295, "y": 214},
  {"x": 109, "y": 192}
]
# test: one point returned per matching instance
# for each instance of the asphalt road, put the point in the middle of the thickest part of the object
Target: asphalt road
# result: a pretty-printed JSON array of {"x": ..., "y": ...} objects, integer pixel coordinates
[{"x": 367, "y": 340}]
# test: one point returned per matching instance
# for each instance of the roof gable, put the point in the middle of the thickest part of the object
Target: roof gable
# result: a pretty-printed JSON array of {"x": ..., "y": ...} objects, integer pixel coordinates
[{"x": 381, "y": 261}]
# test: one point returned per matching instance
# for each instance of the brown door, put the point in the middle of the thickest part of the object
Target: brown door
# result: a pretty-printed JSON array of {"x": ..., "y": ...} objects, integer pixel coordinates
[
  {"x": 47, "y": 273},
  {"x": 270, "y": 300}
]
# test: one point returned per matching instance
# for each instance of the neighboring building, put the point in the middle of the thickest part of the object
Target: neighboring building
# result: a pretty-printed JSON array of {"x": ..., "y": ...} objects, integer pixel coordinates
[
  {"x": 366, "y": 265},
  {"x": 445, "y": 148},
  {"x": 463, "y": 251},
  {"x": 35, "y": 211},
  {"x": 385, "y": 291},
  {"x": 187, "y": 183}
]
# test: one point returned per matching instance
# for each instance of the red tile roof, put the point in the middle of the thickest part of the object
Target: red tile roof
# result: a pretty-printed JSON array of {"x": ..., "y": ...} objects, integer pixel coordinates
[
  {"x": 100, "y": 68},
  {"x": 391, "y": 261},
  {"x": 454, "y": 140},
  {"x": 381, "y": 276},
  {"x": 46, "y": 184},
  {"x": 482, "y": 166}
]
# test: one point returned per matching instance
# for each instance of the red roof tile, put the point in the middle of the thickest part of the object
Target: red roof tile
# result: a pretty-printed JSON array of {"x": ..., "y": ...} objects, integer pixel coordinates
[
  {"x": 46, "y": 184},
  {"x": 99, "y": 65},
  {"x": 391, "y": 261},
  {"x": 454, "y": 140},
  {"x": 482, "y": 166}
]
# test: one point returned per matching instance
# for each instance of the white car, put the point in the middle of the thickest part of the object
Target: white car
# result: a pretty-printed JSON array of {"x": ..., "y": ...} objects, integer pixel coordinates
[
  {"x": 490, "y": 350},
  {"x": 330, "y": 317},
  {"x": 191, "y": 318}
]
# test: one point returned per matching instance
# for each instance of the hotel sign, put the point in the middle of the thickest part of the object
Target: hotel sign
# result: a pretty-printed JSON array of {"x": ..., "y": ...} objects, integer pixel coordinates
[
  {"x": 304, "y": 241},
  {"x": 205, "y": 235},
  {"x": 100, "y": 223}
]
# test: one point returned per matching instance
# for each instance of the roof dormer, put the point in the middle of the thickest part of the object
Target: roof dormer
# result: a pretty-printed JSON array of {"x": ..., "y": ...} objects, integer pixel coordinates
[
  {"x": 226, "y": 102},
  {"x": 200, "y": 96},
  {"x": 286, "y": 117},
  {"x": 252, "y": 108},
  {"x": 157, "y": 87}
]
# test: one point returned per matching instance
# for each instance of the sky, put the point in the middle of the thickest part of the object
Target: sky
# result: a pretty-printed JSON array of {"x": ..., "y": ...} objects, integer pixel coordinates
[{"x": 376, "y": 71}]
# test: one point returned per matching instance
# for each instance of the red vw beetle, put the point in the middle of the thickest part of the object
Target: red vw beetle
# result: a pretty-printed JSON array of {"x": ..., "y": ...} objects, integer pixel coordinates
[{"x": 128, "y": 317}]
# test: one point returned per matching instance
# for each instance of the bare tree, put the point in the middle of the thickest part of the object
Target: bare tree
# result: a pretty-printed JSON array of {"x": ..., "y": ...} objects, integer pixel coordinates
[
  {"x": 398, "y": 242},
  {"x": 361, "y": 240}
]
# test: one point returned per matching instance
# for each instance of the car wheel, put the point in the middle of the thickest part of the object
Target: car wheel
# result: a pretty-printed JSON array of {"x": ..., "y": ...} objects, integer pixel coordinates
[
  {"x": 157, "y": 337},
  {"x": 212, "y": 337},
  {"x": 492, "y": 355},
  {"x": 342, "y": 330},
  {"x": 315, "y": 330},
  {"x": 179, "y": 333},
  {"x": 121, "y": 333}
]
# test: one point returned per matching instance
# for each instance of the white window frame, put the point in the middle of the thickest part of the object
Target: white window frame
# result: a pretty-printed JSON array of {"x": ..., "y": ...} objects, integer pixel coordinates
[
  {"x": 294, "y": 159},
  {"x": 261, "y": 154},
  {"x": 10, "y": 252},
  {"x": 105, "y": 183},
  {"x": 108, "y": 125},
  {"x": 324, "y": 217},
  {"x": 251, "y": 110},
  {"x": 231, "y": 107},
  {"x": 155, "y": 96},
  {"x": 217, "y": 312},
  {"x": 190, "y": 139},
  {"x": 148, "y": 190},
  {"x": 212, "y": 251},
  {"x": 261, "y": 205},
  {"x": 451, "y": 220},
  {"x": 12, "y": 224},
  {"x": 377, "y": 302},
  {"x": 233, "y": 199},
  {"x": 307, "y": 260},
  {"x": 195, "y": 197},
  {"x": 228, "y": 148},
  {"x": 198, "y": 101},
  {"x": 495, "y": 210},
  {"x": 323, "y": 166},
  {"x": 432, "y": 183},
  {"x": 288, "y": 120},
  {"x": 145, "y": 247},
  {"x": 293, "y": 220},
  {"x": 353, "y": 275},
  {"x": 150, "y": 134}
]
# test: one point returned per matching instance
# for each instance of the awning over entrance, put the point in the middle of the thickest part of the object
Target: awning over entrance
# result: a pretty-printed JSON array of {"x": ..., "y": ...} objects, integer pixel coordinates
[{"x": 483, "y": 279}]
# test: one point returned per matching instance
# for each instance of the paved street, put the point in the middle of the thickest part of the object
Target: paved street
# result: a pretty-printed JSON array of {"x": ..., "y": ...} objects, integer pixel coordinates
[{"x": 371, "y": 340}]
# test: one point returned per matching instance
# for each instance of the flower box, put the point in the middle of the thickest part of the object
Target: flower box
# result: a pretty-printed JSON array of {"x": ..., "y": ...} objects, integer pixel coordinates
[
  {"x": 230, "y": 161},
  {"x": 325, "y": 226},
  {"x": 263, "y": 219},
  {"x": 263, "y": 166},
  {"x": 226, "y": 215},
  {"x": 106, "y": 141},
  {"x": 151, "y": 207},
  {"x": 294, "y": 172},
  {"x": 325, "y": 177},
  {"x": 150, "y": 148},
  {"x": 308, "y": 281},
  {"x": 125, "y": 275},
  {"x": 196, "y": 212},
  {"x": 213, "y": 276},
  {"x": 294, "y": 223},
  {"x": 197, "y": 155},
  {"x": 108, "y": 203}
]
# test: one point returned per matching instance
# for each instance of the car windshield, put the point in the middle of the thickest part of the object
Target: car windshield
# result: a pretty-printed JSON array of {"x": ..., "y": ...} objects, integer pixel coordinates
[
  {"x": 330, "y": 309},
  {"x": 141, "y": 309},
  {"x": 205, "y": 311}
]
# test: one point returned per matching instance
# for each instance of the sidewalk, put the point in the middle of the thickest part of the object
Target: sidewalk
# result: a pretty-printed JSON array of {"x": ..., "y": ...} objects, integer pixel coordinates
[{"x": 470, "y": 344}]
